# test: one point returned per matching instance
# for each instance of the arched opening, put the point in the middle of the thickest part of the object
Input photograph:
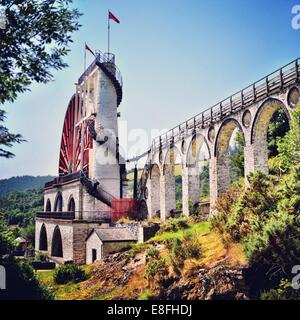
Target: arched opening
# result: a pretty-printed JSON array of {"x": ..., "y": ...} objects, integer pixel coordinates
[
  {"x": 43, "y": 245},
  {"x": 229, "y": 153},
  {"x": 155, "y": 191},
  {"x": 58, "y": 206},
  {"x": 173, "y": 182},
  {"x": 197, "y": 183},
  {"x": 271, "y": 122},
  {"x": 71, "y": 205},
  {"x": 48, "y": 206},
  {"x": 57, "y": 248}
]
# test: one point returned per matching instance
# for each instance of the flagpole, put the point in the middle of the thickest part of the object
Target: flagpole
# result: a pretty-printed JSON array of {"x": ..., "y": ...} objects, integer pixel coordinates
[
  {"x": 82, "y": 111},
  {"x": 108, "y": 26}
]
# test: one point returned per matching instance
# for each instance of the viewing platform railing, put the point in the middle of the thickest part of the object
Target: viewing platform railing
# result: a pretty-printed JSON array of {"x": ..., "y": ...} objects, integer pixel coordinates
[{"x": 103, "y": 216}]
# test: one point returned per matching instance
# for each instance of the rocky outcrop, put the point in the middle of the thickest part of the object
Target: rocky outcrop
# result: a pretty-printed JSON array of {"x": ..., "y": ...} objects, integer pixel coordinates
[{"x": 218, "y": 282}]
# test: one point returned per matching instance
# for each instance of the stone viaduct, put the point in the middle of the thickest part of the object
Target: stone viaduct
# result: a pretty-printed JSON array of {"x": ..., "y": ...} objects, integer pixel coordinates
[{"x": 249, "y": 110}]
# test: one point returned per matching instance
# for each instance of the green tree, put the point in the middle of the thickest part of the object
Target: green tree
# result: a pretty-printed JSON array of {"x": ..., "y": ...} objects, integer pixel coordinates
[
  {"x": 278, "y": 127},
  {"x": 237, "y": 158},
  {"x": 289, "y": 146},
  {"x": 34, "y": 42}
]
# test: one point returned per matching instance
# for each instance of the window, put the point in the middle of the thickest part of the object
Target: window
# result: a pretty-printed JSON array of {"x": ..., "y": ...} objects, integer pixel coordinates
[{"x": 58, "y": 202}]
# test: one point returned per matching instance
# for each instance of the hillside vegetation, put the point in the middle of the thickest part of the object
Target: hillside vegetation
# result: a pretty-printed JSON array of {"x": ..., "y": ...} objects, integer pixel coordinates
[
  {"x": 22, "y": 183},
  {"x": 182, "y": 255}
]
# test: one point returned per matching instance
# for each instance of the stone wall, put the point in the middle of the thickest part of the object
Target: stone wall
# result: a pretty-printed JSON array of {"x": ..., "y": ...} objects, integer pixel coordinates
[{"x": 113, "y": 247}]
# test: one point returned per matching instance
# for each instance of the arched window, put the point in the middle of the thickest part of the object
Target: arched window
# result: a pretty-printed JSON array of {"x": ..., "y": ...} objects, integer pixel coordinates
[
  {"x": 48, "y": 206},
  {"x": 58, "y": 202},
  {"x": 57, "y": 249},
  {"x": 71, "y": 205},
  {"x": 43, "y": 246}
]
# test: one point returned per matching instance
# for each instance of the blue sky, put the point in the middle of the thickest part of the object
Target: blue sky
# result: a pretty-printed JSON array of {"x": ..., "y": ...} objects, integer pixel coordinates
[{"x": 177, "y": 59}]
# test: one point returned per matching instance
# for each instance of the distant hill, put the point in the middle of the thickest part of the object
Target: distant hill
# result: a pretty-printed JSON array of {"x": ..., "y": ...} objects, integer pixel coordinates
[{"x": 22, "y": 183}]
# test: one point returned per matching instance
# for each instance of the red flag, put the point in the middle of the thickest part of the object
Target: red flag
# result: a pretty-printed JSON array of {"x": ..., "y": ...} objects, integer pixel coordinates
[
  {"x": 112, "y": 17},
  {"x": 89, "y": 49}
]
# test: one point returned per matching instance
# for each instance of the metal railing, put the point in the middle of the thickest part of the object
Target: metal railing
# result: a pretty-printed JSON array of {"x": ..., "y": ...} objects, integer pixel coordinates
[
  {"x": 63, "y": 179},
  {"x": 104, "y": 216},
  {"x": 103, "y": 58},
  {"x": 98, "y": 192},
  {"x": 263, "y": 88},
  {"x": 69, "y": 215}
]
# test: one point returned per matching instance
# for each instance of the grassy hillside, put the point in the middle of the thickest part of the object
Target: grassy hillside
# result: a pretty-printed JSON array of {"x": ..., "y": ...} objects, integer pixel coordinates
[
  {"x": 138, "y": 273},
  {"x": 22, "y": 183}
]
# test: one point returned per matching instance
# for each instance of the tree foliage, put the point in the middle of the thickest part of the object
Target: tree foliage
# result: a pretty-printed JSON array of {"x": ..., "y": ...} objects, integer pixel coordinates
[
  {"x": 33, "y": 44},
  {"x": 265, "y": 218},
  {"x": 19, "y": 207}
]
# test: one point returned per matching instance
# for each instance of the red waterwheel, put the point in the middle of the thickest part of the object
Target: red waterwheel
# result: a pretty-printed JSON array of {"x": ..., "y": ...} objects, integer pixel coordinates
[{"x": 70, "y": 149}]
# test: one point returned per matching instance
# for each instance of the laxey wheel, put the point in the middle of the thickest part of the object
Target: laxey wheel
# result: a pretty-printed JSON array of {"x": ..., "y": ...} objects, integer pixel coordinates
[{"x": 70, "y": 148}]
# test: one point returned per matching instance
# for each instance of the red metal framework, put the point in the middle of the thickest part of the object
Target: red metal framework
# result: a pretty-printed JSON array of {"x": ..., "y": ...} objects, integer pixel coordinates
[{"x": 74, "y": 148}]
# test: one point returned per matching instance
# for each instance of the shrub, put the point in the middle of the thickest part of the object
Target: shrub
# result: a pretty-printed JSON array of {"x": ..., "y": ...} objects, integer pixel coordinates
[
  {"x": 137, "y": 248},
  {"x": 69, "y": 273},
  {"x": 174, "y": 225},
  {"x": 181, "y": 250},
  {"x": 273, "y": 251},
  {"x": 191, "y": 246},
  {"x": 40, "y": 256},
  {"x": 21, "y": 282},
  {"x": 155, "y": 269},
  {"x": 284, "y": 291},
  {"x": 153, "y": 253}
]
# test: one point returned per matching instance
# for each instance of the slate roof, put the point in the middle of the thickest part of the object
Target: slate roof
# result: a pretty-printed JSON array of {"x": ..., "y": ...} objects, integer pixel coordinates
[{"x": 113, "y": 234}]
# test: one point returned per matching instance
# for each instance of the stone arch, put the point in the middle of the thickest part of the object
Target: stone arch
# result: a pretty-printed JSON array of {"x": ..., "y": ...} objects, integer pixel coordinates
[
  {"x": 170, "y": 157},
  {"x": 193, "y": 180},
  {"x": 193, "y": 151},
  {"x": 259, "y": 131},
  {"x": 220, "y": 178},
  {"x": 58, "y": 204},
  {"x": 71, "y": 204},
  {"x": 57, "y": 246},
  {"x": 224, "y": 135},
  {"x": 48, "y": 205},
  {"x": 263, "y": 116},
  {"x": 43, "y": 240}
]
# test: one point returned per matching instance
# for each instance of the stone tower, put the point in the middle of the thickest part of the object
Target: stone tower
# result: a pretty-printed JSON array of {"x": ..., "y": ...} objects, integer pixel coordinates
[{"x": 90, "y": 172}]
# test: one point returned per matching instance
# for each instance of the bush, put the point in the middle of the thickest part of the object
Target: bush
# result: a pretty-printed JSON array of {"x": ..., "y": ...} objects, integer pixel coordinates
[
  {"x": 155, "y": 269},
  {"x": 284, "y": 291},
  {"x": 191, "y": 246},
  {"x": 69, "y": 273},
  {"x": 21, "y": 282},
  {"x": 181, "y": 250},
  {"x": 137, "y": 248},
  {"x": 273, "y": 251},
  {"x": 153, "y": 253},
  {"x": 174, "y": 225},
  {"x": 40, "y": 256}
]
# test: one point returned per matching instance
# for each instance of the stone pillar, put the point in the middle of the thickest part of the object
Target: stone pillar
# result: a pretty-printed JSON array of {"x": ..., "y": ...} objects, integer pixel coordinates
[
  {"x": 167, "y": 193},
  {"x": 190, "y": 188},
  {"x": 153, "y": 201},
  {"x": 219, "y": 178},
  {"x": 256, "y": 158}
]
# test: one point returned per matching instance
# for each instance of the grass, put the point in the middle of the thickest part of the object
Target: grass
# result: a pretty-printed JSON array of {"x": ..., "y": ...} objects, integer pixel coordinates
[
  {"x": 67, "y": 291},
  {"x": 201, "y": 227},
  {"x": 145, "y": 295}
]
